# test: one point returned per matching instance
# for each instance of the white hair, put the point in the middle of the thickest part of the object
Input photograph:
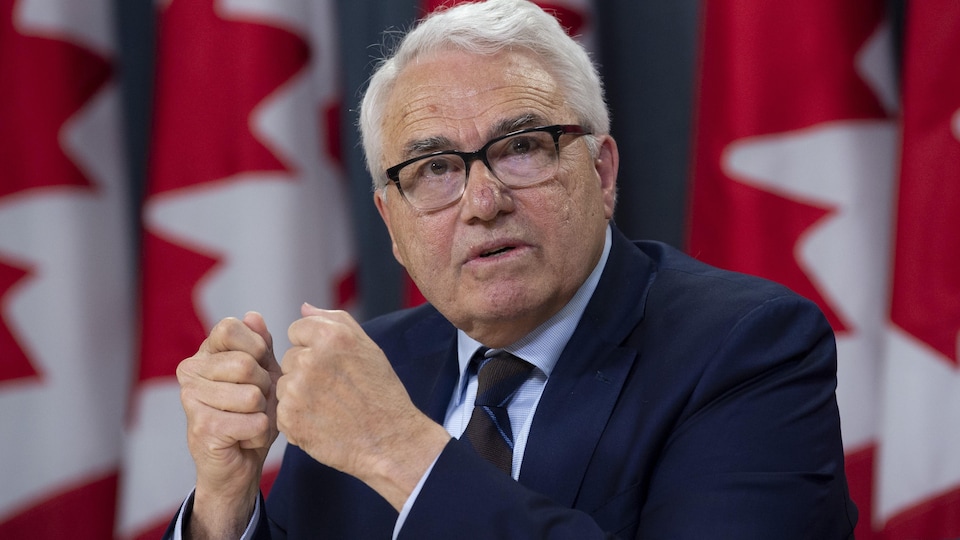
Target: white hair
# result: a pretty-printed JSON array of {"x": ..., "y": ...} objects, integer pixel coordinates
[{"x": 487, "y": 28}]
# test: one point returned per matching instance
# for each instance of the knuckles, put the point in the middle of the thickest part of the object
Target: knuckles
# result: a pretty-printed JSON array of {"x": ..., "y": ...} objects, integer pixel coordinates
[
  {"x": 250, "y": 398},
  {"x": 260, "y": 423},
  {"x": 321, "y": 332},
  {"x": 213, "y": 430},
  {"x": 244, "y": 367},
  {"x": 284, "y": 424},
  {"x": 203, "y": 424}
]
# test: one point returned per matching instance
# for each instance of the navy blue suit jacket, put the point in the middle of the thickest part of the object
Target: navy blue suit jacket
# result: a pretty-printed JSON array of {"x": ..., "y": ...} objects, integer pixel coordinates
[{"x": 690, "y": 402}]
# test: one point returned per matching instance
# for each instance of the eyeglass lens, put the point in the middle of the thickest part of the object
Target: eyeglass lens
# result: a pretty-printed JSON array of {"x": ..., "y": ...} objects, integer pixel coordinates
[{"x": 518, "y": 161}]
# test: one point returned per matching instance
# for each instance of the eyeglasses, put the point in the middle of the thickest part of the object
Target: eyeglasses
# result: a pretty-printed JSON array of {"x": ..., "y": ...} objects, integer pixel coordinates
[{"x": 518, "y": 159}]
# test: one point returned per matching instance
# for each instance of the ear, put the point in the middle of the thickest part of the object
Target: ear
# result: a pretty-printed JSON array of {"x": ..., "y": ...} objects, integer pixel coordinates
[
  {"x": 379, "y": 200},
  {"x": 608, "y": 165}
]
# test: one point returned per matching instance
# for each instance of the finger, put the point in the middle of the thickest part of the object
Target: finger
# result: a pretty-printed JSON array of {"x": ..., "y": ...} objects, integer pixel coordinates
[
  {"x": 230, "y": 428},
  {"x": 307, "y": 310},
  {"x": 231, "y": 334},
  {"x": 255, "y": 322},
  {"x": 260, "y": 441},
  {"x": 324, "y": 328},
  {"x": 337, "y": 315},
  {"x": 285, "y": 419},
  {"x": 296, "y": 359},
  {"x": 230, "y": 367},
  {"x": 222, "y": 389},
  {"x": 309, "y": 332},
  {"x": 229, "y": 397}
]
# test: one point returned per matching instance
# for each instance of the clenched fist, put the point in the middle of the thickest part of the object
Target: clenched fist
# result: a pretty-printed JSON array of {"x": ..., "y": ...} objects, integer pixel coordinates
[
  {"x": 342, "y": 403},
  {"x": 228, "y": 391}
]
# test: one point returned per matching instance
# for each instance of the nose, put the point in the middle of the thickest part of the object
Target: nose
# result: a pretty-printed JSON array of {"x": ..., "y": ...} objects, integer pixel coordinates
[{"x": 484, "y": 197}]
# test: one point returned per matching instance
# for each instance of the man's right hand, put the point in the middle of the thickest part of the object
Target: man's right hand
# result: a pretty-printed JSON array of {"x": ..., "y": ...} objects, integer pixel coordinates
[{"x": 228, "y": 391}]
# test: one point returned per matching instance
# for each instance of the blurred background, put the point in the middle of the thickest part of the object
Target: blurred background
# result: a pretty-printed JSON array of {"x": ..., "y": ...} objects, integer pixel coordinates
[{"x": 164, "y": 165}]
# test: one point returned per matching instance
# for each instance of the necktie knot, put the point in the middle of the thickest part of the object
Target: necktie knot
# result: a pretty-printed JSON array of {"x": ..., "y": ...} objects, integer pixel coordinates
[{"x": 499, "y": 377}]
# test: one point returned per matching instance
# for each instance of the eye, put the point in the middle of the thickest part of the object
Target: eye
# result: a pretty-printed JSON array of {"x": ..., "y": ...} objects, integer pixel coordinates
[
  {"x": 436, "y": 167},
  {"x": 521, "y": 144}
]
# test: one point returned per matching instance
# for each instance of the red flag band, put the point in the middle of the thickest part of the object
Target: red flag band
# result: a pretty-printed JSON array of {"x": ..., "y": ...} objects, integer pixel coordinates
[
  {"x": 245, "y": 209},
  {"x": 65, "y": 273}
]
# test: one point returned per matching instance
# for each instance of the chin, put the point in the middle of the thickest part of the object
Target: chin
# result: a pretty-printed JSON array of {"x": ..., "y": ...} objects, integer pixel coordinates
[
  {"x": 485, "y": 309},
  {"x": 511, "y": 311}
]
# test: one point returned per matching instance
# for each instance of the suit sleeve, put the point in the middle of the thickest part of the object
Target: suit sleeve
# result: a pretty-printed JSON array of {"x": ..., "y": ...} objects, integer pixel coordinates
[
  {"x": 757, "y": 452},
  {"x": 465, "y": 496}
]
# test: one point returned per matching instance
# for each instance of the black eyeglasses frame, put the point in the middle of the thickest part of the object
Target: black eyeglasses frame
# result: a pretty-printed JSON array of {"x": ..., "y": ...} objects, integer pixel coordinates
[{"x": 556, "y": 130}]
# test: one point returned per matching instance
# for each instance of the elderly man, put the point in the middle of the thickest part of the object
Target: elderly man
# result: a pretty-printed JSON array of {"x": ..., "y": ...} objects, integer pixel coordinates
[{"x": 562, "y": 382}]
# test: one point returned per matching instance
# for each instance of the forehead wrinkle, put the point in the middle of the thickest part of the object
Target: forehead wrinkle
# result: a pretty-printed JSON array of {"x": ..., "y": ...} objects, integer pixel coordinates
[
  {"x": 432, "y": 109},
  {"x": 437, "y": 143},
  {"x": 411, "y": 115},
  {"x": 453, "y": 105}
]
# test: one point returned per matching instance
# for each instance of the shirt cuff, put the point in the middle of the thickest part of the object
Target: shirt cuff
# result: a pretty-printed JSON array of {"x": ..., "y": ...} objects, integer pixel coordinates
[{"x": 405, "y": 511}]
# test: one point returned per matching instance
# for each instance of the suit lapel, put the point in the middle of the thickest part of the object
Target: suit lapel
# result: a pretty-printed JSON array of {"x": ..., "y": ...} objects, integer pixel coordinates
[
  {"x": 583, "y": 389},
  {"x": 430, "y": 376}
]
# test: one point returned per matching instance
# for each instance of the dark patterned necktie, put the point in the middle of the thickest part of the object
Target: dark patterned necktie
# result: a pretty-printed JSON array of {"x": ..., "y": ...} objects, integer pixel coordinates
[{"x": 489, "y": 430}]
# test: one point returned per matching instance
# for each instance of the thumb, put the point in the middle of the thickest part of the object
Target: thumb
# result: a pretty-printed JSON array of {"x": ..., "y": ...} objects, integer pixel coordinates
[
  {"x": 308, "y": 310},
  {"x": 255, "y": 322}
]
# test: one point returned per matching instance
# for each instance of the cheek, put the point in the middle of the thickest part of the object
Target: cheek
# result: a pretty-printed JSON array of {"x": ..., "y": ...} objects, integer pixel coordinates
[
  {"x": 586, "y": 199},
  {"x": 562, "y": 202},
  {"x": 571, "y": 213},
  {"x": 424, "y": 245}
]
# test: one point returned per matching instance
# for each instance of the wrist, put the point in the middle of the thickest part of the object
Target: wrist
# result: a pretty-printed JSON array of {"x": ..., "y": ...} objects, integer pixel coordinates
[
  {"x": 216, "y": 515},
  {"x": 395, "y": 474}
]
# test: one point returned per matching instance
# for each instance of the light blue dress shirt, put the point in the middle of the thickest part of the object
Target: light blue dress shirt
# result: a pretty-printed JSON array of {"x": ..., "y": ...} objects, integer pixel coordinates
[{"x": 542, "y": 348}]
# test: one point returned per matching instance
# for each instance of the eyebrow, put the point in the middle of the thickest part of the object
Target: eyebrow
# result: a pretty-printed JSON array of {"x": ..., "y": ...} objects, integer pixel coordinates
[
  {"x": 426, "y": 146},
  {"x": 429, "y": 145},
  {"x": 509, "y": 125}
]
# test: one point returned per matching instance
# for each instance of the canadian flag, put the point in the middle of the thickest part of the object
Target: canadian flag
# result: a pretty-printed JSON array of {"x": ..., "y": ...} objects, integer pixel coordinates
[
  {"x": 65, "y": 271},
  {"x": 246, "y": 209},
  {"x": 797, "y": 149}
]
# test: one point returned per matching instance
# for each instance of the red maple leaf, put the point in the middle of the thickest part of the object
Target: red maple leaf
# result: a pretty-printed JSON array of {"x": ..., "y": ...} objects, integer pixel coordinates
[
  {"x": 45, "y": 82},
  {"x": 172, "y": 328},
  {"x": 211, "y": 75},
  {"x": 15, "y": 363}
]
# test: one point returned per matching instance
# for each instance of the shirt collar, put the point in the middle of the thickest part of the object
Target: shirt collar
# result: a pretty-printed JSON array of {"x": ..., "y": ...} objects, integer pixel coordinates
[{"x": 543, "y": 346}]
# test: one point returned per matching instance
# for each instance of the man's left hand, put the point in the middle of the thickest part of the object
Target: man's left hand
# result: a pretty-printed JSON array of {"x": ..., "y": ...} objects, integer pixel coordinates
[{"x": 342, "y": 403}]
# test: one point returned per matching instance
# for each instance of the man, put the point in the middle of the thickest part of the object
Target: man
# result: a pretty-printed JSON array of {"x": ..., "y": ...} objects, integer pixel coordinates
[{"x": 658, "y": 397}]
